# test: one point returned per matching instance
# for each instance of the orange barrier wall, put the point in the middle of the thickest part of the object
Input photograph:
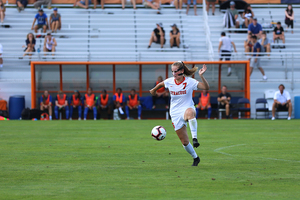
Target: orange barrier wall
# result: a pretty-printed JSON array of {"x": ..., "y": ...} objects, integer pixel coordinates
[{"x": 140, "y": 1}]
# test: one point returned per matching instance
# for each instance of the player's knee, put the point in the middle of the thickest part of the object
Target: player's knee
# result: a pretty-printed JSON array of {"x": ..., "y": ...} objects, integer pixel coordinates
[{"x": 185, "y": 142}]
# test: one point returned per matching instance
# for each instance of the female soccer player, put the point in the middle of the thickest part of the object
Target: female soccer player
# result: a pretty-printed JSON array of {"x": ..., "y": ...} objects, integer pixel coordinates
[{"x": 182, "y": 107}]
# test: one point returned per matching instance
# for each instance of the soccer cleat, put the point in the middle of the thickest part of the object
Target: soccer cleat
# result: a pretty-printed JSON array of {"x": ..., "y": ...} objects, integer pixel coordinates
[
  {"x": 273, "y": 118},
  {"x": 195, "y": 143},
  {"x": 196, "y": 161},
  {"x": 289, "y": 118}
]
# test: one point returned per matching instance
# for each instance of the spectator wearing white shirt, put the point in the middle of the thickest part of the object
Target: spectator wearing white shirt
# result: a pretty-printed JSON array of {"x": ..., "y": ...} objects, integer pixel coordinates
[
  {"x": 282, "y": 100},
  {"x": 225, "y": 46}
]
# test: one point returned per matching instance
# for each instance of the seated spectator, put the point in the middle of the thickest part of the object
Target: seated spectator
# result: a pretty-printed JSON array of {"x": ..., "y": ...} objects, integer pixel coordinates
[
  {"x": 248, "y": 43},
  {"x": 61, "y": 103},
  {"x": 255, "y": 28},
  {"x": 225, "y": 46},
  {"x": 204, "y": 103},
  {"x": 90, "y": 104},
  {"x": 128, "y": 2},
  {"x": 2, "y": 11},
  {"x": 85, "y": 3},
  {"x": 265, "y": 43},
  {"x": 234, "y": 13},
  {"x": 21, "y": 4},
  {"x": 278, "y": 33},
  {"x": 76, "y": 104},
  {"x": 133, "y": 102},
  {"x": 55, "y": 21},
  {"x": 49, "y": 44},
  {"x": 152, "y": 4},
  {"x": 282, "y": 100},
  {"x": 212, "y": 3},
  {"x": 1, "y": 59},
  {"x": 42, "y": 21},
  {"x": 289, "y": 17},
  {"x": 224, "y": 100},
  {"x": 174, "y": 36},
  {"x": 255, "y": 60},
  {"x": 30, "y": 45},
  {"x": 119, "y": 103},
  {"x": 104, "y": 104},
  {"x": 160, "y": 93},
  {"x": 248, "y": 15},
  {"x": 46, "y": 103},
  {"x": 188, "y": 6},
  {"x": 158, "y": 36},
  {"x": 38, "y": 4},
  {"x": 100, "y": 2},
  {"x": 178, "y": 4}
]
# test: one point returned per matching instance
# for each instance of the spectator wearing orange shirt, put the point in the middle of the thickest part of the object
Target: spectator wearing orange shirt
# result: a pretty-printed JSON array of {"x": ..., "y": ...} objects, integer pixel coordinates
[
  {"x": 76, "y": 104},
  {"x": 61, "y": 103},
  {"x": 160, "y": 93},
  {"x": 133, "y": 102},
  {"x": 204, "y": 103},
  {"x": 104, "y": 104},
  {"x": 90, "y": 104},
  {"x": 46, "y": 103}
]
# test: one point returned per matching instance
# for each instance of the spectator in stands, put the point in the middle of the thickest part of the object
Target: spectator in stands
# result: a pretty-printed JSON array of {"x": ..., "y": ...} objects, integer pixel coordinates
[
  {"x": 21, "y": 4},
  {"x": 213, "y": 7},
  {"x": 61, "y": 103},
  {"x": 46, "y": 103},
  {"x": 100, "y": 2},
  {"x": 255, "y": 60},
  {"x": 30, "y": 45},
  {"x": 248, "y": 43},
  {"x": 174, "y": 36},
  {"x": 178, "y": 4},
  {"x": 85, "y": 3},
  {"x": 55, "y": 21},
  {"x": 160, "y": 93},
  {"x": 278, "y": 33},
  {"x": 234, "y": 12},
  {"x": 76, "y": 104},
  {"x": 265, "y": 43},
  {"x": 42, "y": 21},
  {"x": 282, "y": 100},
  {"x": 119, "y": 102},
  {"x": 38, "y": 4},
  {"x": 188, "y": 6},
  {"x": 2, "y": 11},
  {"x": 289, "y": 17},
  {"x": 158, "y": 36},
  {"x": 248, "y": 15},
  {"x": 133, "y": 102},
  {"x": 152, "y": 4},
  {"x": 225, "y": 46},
  {"x": 204, "y": 103},
  {"x": 49, "y": 44},
  {"x": 104, "y": 104},
  {"x": 1, "y": 59},
  {"x": 255, "y": 28},
  {"x": 90, "y": 104},
  {"x": 224, "y": 100},
  {"x": 128, "y": 2}
]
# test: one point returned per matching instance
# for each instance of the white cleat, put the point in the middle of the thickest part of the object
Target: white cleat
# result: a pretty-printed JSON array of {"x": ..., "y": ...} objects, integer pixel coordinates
[
  {"x": 289, "y": 118},
  {"x": 273, "y": 118},
  {"x": 79, "y": 118}
]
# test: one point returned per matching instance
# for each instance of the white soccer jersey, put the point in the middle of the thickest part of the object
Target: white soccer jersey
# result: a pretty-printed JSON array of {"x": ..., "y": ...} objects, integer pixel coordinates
[{"x": 181, "y": 94}]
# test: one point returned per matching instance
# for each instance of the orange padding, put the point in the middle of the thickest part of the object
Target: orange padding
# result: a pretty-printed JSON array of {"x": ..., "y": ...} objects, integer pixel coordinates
[{"x": 3, "y": 105}]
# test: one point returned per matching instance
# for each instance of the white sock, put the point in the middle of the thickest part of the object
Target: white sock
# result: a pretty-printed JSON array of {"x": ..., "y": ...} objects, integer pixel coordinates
[
  {"x": 121, "y": 111},
  {"x": 50, "y": 117},
  {"x": 1, "y": 65},
  {"x": 193, "y": 127},
  {"x": 229, "y": 69},
  {"x": 264, "y": 76},
  {"x": 189, "y": 148}
]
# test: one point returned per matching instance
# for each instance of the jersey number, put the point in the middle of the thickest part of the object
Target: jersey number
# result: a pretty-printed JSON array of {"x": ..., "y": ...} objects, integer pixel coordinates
[{"x": 184, "y": 85}]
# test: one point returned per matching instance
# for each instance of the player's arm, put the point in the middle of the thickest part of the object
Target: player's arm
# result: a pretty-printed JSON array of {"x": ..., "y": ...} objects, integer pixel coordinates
[
  {"x": 204, "y": 85},
  {"x": 158, "y": 86},
  {"x": 220, "y": 44}
]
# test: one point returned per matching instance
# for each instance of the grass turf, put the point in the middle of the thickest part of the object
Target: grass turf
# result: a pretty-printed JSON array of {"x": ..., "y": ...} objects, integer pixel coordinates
[{"x": 240, "y": 159}]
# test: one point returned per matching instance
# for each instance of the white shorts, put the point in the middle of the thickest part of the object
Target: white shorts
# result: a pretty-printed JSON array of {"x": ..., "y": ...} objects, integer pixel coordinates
[
  {"x": 255, "y": 64},
  {"x": 178, "y": 120}
]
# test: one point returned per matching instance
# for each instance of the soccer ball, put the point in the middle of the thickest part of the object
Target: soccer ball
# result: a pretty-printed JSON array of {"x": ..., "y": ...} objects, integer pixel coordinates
[{"x": 159, "y": 133}]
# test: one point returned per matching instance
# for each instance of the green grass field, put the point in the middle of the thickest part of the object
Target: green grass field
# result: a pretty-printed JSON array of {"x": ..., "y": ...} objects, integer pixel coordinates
[{"x": 240, "y": 159}]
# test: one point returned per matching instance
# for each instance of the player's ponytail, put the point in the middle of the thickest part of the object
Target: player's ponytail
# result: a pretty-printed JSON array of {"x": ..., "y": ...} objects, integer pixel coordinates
[{"x": 187, "y": 71}]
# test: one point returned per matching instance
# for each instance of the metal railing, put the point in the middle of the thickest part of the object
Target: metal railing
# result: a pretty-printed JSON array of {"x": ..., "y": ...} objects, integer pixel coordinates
[{"x": 207, "y": 32}]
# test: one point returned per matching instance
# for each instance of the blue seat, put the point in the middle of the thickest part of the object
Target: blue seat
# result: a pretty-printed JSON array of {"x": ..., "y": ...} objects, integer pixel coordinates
[
  {"x": 242, "y": 102},
  {"x": 264, "y": 109}
]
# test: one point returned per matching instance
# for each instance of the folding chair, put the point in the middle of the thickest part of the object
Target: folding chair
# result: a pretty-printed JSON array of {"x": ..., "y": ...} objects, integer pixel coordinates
[
  {"x": 243, "y": 101},
  {"x": 264, "y": 109}
]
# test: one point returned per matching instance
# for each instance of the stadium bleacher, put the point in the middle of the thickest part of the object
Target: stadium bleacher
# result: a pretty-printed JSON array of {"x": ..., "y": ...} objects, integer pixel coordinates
[{"x": 123, "y": 35}]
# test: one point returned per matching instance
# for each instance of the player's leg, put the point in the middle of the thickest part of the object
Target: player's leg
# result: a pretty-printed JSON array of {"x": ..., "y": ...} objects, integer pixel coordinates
[
  {"x": 79, "y": 112},
  {"x": 208, "y": 111},
  {"x": 56, "y": 112},
  {"x": 86, "y": 110},
  {"x": 183, "y": 136},
  {"x": 197, "y": 111},
  {"x": 71, "y": 112},
  {"x": 139, "y": 111},
  {"x": 95, "y": 112},
  {"x": 274, "y": 106},
  {"x": 67, "y": 112},
  {"x": 127, "y": 111},
  {"x": 189, "y": 115},
  {"x": 289, "y": 106}
]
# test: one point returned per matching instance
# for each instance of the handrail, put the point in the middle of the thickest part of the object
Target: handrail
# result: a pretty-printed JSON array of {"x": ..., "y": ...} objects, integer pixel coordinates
[{"x": 207, "y": 32}]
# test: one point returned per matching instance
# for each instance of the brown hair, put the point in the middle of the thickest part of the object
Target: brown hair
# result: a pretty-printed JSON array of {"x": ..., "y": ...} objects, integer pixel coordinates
[{"x": 187, "y": 71}]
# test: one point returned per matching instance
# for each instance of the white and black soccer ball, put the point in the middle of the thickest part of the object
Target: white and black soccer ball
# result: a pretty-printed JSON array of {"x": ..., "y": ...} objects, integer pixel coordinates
[{"x": 159, "y": 133}]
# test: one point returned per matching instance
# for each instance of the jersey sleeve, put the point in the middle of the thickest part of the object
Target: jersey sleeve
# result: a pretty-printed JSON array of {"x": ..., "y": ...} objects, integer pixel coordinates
[
  {"x": 194, "y": 83},
  {"x": 275, "y": 96},
  {"x": 288, "y": 97},
  {"x": 167, "y": 83}
]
